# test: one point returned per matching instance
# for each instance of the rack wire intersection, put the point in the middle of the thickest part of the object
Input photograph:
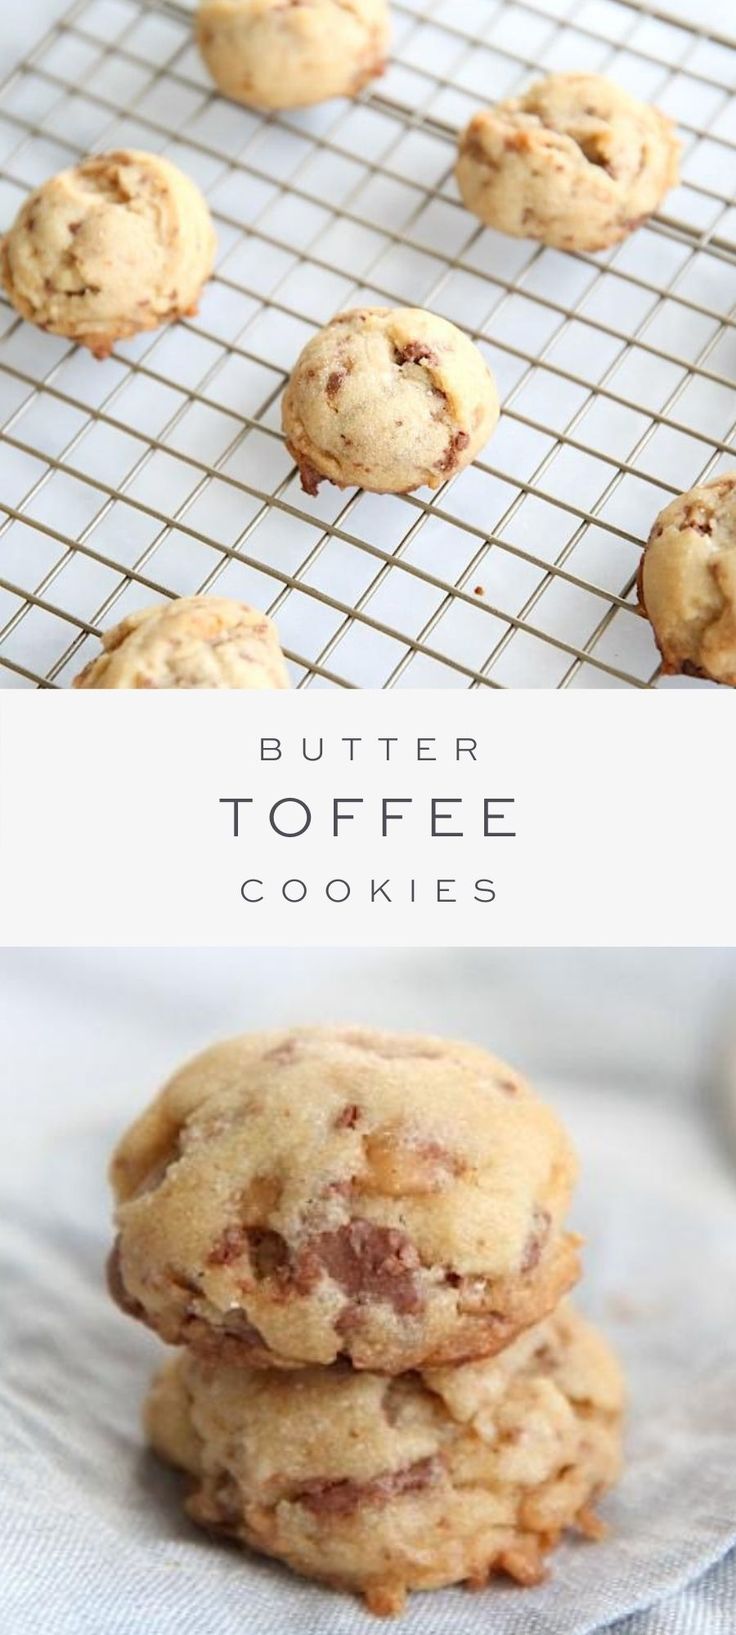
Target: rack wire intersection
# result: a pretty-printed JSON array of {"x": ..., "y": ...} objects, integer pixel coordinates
[{"x": 163, "y": 472}]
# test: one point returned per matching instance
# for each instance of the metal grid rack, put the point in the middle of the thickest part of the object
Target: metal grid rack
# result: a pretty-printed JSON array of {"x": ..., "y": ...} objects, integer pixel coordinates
[{"x": 162, "y": 472}]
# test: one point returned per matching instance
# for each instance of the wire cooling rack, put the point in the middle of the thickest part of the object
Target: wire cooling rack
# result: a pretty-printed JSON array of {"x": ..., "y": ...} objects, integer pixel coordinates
[{"x": 162, "y": 472}]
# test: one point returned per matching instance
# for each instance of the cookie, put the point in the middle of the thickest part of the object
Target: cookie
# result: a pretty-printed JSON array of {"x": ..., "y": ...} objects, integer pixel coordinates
[
  {"x": 575, "y": 162},
  {"x": 121, "y": 243},
  {"x": 389, "y": 400},
  {"x": 292, "y": 1198},
  {"x": 271, "y": 55},
  {"x": 382, "y": 1485},
  {"x": 196, "y": 641},
  {"x": 687, "y": 582}
]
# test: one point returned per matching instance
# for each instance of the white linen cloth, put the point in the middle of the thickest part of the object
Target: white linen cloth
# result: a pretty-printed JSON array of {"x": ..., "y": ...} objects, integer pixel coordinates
[{"x": 93, "y": 1540}]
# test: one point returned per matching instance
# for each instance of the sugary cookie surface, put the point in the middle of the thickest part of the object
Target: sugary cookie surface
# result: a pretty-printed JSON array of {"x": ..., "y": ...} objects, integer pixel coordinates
[
  {"x": 272, "y": 54},
  {"x": 384, "y": 1485},
  {"x": 389, "y": 399},
  {"x": 687, "y": 582},
  {"x": 575, "y": 162},
  {"x": 121, "y": 243},
  {"x": 297, "y": 1197},
  {"x": 196, "y": 641}
]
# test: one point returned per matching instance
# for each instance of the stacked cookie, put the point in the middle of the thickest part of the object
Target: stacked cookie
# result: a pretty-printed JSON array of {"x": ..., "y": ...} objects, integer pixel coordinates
[{"x": 358, "y": 1240}]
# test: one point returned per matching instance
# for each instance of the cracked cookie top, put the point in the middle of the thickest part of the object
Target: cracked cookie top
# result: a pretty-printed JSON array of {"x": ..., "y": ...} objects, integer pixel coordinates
[
  {"x": 388, "y": 399},
  {"x": 194, "y": 641},
  {"x": 298, "y": 1197},
  {"x": 383, "y": 1485},
  {"x": 575, "y": 162},
  {"x": 121, "y": 243}
]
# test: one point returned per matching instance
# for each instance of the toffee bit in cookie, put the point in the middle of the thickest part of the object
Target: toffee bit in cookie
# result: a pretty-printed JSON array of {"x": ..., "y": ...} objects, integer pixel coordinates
[
  {"x": 349, "y": 1117},
  {"x": 264, "y": 1250},
  {"x": 269, "y": 1253},
  {"x": 536, "y": 1240},
  {"x": 575, "y": 162},
  {"x": 450, "y": 459},
  {"x": 122, "y": 243},
  {"x": 231, "y": 1246},
  {"x": 369, "y": 1263},
  {"x": 687, "y": 582},
  {"x": 116, "y": 1286},
  {"x": 239, "y": 1345},
  {"x": 375, "y": 373},
  {"x": 465, "y": 1473},
  {"x": 344, "y": 1497},
  {"x": 334, "y": 382},
  {"x": 349, "y": 1193},
  {"x": 287, "y": 1050},
  {"x": 417, "y": 352},
  {"x": 309, "y": 476},
  {"x": 402, "y": 1163},
  {"x": 197, "y": 642}
]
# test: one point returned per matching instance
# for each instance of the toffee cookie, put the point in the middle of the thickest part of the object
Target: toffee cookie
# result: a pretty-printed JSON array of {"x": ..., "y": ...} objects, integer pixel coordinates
[
  {"x": 272, "y": 54},
  {"x": 122, "y": 243},
  {"x": 383, "y": 1485},
  {"x": 687, "y": 582},
  {"x": 293, "y": 1198},
  {"x": 196, "y": 641},
  {"x": 388, "y": 399},
  {"x": 575, "y": 162}
]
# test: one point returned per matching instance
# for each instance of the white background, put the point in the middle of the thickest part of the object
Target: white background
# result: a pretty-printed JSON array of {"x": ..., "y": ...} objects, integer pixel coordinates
[{"x": 87, "y": 1035}]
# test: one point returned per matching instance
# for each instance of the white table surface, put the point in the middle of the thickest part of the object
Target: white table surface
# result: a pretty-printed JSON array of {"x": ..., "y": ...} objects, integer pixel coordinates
[{"x": 21, "y": 26}]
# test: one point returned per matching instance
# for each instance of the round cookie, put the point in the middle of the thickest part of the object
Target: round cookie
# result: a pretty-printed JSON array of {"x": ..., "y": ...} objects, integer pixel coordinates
[
  {"x": 575, "y": 162},
  {"x": 292, "y": 1198},
  {"x": 195, "y": 641},
  {"x": 121, "y": 243},
  {"x": 381, "y": 1485},
  {"x": 389, "y": 400},
  {"x": 270, "y": 55},
  {"x": 687, "y": 582}
]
